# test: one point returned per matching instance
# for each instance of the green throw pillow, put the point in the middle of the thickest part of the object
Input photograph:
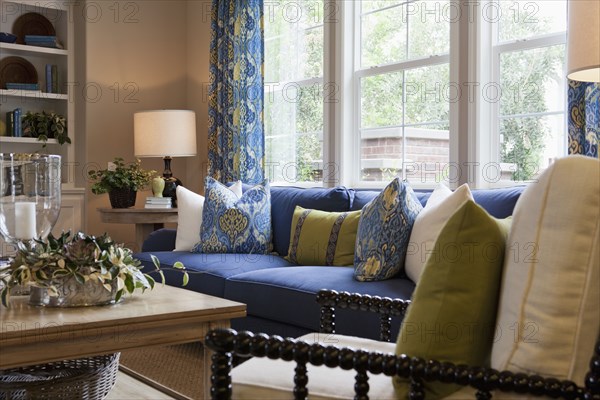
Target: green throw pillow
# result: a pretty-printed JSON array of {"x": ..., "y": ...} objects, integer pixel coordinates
[
  {"x": 453, "y": 310},
  {"x": 322, "y": 238}
]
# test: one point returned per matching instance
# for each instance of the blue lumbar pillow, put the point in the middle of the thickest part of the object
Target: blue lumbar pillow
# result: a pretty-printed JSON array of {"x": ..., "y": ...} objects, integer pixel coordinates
[
  {"x": 232, "y": 224},
  {"x": 384, "y": 231}
]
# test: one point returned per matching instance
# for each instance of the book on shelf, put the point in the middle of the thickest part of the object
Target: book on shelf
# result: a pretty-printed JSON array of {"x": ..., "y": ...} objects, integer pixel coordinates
[
  {"x": 23, "y": 86},
  {"x": 10, "y": 123},
  {"x": 158, "y": 200},
  {"x": 54, "y": 74},
  {"x": 48, "y": 78},
  {"x": 43, "y": 41},
  {"x": 17, "y": 132},
  {"x": 161, "y": 206}
]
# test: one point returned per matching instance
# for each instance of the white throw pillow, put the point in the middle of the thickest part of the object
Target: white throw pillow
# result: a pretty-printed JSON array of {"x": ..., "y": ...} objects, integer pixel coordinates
[
  {"x": 548, "y": 318},
  {"x": 439, "y": 208},
  {"x": 189, "y": 216}
]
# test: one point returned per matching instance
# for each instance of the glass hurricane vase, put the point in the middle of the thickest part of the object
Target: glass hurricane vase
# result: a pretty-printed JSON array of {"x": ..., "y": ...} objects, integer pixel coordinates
[{"x": 30, "y": 197}]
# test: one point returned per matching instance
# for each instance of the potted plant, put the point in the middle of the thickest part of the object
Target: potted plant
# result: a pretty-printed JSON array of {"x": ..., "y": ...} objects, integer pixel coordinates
[
  {"x": 77, "y": 271},
  {"x": 121, "y": 182},
  {"x": 46, "y": 125}
]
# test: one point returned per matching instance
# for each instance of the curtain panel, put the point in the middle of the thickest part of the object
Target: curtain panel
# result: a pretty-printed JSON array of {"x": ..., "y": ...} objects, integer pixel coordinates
[
  {"x": 584, "y": 118},
  {"x": 236, "y": 144}
]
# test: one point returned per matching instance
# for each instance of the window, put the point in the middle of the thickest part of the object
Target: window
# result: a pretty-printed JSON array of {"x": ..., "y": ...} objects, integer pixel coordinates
[
  {"x": 294, "y": 41},
  {"x": 528, "y": 53},
  {"x": 402, "y": 70},
  {"x": 397, "y": 72}
]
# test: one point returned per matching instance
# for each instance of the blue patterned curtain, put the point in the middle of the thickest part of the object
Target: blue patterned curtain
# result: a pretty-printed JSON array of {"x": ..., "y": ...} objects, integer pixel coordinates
[
  {"x": 236, "y": 144},
  {"x": 584, "y": 118}
]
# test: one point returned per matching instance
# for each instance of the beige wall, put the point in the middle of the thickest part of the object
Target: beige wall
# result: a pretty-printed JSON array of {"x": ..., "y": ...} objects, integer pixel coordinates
[
  {"x": 156, "y": 53},
  {"x": 198, "y": 46}
]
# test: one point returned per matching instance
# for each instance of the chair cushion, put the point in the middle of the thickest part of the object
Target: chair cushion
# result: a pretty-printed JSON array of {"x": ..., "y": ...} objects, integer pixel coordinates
[
  {"x": 453, "y": 310},
  {"x": 548, "y": 319},
  {"x": 295, "y": 290},
  {"x": 189, "y": 216},
  {"x": 383, "y": 232},
  {"x": 208, "y": 272},
  {"x": 232, "y": 224},
  {"x": 442, "y": 204},
  {"x": 322, "y": 238},
  {"x": 262, "y": 378},
  {"x": 285, "y": 199}
]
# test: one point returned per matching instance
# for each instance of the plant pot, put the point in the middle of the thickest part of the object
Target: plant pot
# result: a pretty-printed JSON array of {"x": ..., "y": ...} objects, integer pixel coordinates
[
  {"x": 122, "y": 198},
  {"x": 73, "y": 294}
]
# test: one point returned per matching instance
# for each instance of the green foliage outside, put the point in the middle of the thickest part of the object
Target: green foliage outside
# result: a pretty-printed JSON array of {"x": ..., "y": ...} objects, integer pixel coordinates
[{"x": 416, "y": 96}]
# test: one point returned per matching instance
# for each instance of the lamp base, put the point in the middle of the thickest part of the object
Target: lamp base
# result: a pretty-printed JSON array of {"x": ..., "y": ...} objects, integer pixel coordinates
[{"x": 170, "y": 189}]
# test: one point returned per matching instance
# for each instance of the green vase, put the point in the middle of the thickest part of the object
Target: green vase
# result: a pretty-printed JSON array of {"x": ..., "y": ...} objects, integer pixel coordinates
[{"x": 158, "y": 185}]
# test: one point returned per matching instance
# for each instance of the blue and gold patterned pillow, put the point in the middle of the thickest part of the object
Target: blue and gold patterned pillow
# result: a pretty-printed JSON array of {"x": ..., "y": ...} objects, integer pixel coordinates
[
  {"x": 384, "y": 231},
  {"x": 232, "y": 224}
]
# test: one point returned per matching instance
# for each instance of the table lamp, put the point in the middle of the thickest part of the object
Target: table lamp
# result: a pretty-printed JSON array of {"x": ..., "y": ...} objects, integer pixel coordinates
[
  {"x": 166, "y": 134},
  {"x": 584, "y": 41}
]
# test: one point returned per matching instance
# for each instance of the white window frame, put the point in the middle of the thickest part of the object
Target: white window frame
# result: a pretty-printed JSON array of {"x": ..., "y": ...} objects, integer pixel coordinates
[
  {"x": 473, "y": 59},
  {"x": 490, "y": 48}
]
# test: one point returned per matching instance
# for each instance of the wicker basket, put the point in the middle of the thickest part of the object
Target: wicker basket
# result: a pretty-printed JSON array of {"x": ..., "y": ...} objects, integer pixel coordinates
[
  {"x": 122, "y": 198},
  {"x": 87, "y": 378}
]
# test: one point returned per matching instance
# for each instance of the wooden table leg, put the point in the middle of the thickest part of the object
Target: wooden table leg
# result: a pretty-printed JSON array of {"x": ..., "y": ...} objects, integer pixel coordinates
[{"x": 142, "y": 231}]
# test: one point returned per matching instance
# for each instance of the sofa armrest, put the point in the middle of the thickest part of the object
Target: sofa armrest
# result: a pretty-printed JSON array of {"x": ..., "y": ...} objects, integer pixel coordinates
[
  {"x": 160, "y": 240},
  {"x": 227, "y": 342},
  {"x": 384, "y": 306}
]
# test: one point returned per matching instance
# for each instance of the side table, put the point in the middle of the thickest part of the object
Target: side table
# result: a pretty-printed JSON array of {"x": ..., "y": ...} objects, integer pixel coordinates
[{"x": 146, "y": 220}]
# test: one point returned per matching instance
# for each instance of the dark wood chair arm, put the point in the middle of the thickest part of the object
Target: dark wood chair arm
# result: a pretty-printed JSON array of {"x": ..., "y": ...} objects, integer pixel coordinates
[
  {"x": 227, "y": 342},
  {"x": 384, "y": 306}
]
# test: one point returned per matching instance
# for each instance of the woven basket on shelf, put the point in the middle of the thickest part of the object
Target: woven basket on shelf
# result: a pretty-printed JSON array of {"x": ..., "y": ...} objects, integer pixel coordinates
[
  {"x": 86, "y": 378},
  {"x": 122, "y": 198}
]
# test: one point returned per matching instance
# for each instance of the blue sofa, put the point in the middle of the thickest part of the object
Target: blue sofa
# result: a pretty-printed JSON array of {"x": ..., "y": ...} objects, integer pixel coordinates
[{"x": 281, "y": 296}]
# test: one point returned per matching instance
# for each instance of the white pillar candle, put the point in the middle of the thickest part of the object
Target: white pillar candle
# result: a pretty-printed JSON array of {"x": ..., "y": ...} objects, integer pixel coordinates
[{"x": 25, "y": 220}]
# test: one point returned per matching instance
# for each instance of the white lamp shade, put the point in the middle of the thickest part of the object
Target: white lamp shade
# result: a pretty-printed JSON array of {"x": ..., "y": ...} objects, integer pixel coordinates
[
  {"x": 584, "y": 40},
  {"x": 161, "y": 133}
]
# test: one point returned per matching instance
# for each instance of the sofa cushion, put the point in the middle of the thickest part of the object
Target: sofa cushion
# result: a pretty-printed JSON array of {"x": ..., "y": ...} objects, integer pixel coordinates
[
  {"x": 262, "y": 378},
  {"x": 189, "y": 216},
  {"x": 322, "y": 238},
  {"x": 208, "y": 272},
  {"x": 453, "y": 310},
  {"x": 499, "y": 203},
  {"x": 289, "y": 295},
  {"x": 232, "y": 224},
  {"x": 363, "y": 196},
  {"x": 285, "y": 199},
  {"x": 442, "y": 204},
  {"x": 548, "y": 319},
  {"x": 383, "y": 232}
]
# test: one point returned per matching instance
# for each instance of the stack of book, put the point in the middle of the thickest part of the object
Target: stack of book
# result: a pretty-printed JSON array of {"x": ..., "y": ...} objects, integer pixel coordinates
[
  {"x": 43, "y": 41},
  {"x": 13, "y": 123},
  {"x": 158, "y": 202}
]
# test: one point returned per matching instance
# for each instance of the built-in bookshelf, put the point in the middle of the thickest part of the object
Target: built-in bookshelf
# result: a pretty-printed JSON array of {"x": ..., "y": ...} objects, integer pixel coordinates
[{"x": 61, "y": 101}]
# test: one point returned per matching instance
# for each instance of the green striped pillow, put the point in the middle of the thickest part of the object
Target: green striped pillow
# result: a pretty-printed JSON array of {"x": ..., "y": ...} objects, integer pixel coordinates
[{"x": 323, "y": 238}]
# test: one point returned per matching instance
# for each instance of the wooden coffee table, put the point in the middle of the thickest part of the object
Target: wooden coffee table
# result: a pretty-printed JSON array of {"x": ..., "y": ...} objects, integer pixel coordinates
[{"x": 167, "y": 315}]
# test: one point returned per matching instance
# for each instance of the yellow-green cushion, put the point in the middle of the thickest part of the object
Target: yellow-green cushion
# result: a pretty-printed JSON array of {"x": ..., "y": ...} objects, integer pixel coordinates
[
  {"x": 453, "y": 308},
  {"x": 323, "y": 238}
]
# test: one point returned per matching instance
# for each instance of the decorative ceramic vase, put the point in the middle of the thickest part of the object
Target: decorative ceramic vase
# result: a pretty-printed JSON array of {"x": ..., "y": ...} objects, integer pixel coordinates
[
  {"x": 158, "y": 185},
  {"x": 74, "y": 294}
]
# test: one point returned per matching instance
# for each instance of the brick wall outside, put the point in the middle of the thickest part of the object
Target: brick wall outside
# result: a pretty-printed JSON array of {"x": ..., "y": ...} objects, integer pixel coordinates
[{"x": 425, "y": 157}]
